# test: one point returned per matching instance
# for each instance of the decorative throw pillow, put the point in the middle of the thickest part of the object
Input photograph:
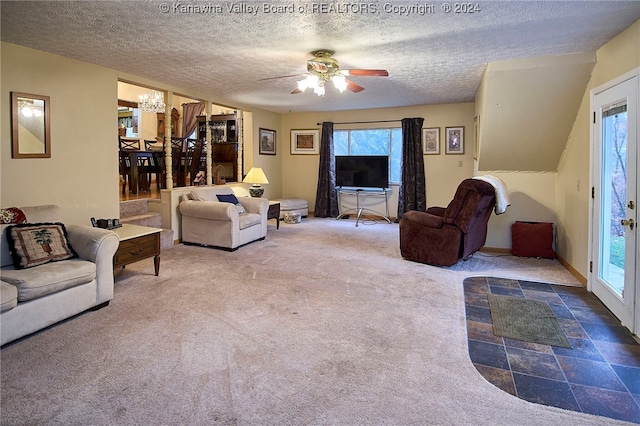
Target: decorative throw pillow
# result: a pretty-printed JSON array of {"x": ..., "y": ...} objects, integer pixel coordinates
[
  {"x": 532, "y": 239},
  {"x": 230, "y": 198},
  {"x": 227, "y": 198},
  {"x": 12, "y": 215},
  {"x": 33, "y": 244}
]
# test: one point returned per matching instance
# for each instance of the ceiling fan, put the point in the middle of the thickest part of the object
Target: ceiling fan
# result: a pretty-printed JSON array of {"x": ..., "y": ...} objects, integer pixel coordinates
[{"x": 323, "y": 68}]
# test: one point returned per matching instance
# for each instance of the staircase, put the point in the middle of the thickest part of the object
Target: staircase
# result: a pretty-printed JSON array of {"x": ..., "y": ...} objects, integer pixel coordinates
[{"x": 136, "y": 212}]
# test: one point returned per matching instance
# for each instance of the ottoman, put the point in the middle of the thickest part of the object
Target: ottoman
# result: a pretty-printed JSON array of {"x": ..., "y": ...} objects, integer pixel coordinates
[{"x": 293, "y": 205}]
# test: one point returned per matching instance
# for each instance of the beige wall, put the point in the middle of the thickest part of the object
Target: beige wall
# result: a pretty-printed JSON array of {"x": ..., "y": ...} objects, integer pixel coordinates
[
  {"x": 532, "y": 194},
  {"x": 443, "y": 172},
  {"x": 618, "y": 56},
  {"x": 533, "y": 198},
  {"x": 270, "y": 164},
  {"x": 82, "y": 174},
  {"x": 528, "y": 107}
]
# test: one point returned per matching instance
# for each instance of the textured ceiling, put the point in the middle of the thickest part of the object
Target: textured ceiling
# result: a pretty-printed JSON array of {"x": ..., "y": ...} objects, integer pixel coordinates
[{"x": 219, "y": 54}]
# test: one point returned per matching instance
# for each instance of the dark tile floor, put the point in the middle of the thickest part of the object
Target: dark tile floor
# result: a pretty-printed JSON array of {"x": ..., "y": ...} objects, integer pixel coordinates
[{"x": 599, "y": 375}]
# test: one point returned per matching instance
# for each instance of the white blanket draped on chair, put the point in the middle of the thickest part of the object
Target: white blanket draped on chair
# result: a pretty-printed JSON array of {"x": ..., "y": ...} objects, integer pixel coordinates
[{"x": 502, "y": 196}]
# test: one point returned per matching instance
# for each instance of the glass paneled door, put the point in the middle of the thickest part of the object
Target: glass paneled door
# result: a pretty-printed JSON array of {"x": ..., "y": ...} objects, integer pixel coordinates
[{"x": 614, "y": 276}]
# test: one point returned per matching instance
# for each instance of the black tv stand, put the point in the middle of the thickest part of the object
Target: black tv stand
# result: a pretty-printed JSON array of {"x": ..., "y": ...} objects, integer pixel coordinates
[{"x": 363, "y": 192}]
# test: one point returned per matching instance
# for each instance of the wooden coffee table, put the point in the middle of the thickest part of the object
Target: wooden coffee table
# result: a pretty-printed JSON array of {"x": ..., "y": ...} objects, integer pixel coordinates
[{"x": 136, "y": 243}]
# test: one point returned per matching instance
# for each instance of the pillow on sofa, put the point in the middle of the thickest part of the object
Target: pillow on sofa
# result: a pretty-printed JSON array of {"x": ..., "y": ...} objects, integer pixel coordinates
[
  {"x": 12, "y": 215},
  {"x": 33, "y": 244},
  {"x": 209, "y": 193},
  {"x": 227, "y": 198},
  {"x": 230, "y": 198}
]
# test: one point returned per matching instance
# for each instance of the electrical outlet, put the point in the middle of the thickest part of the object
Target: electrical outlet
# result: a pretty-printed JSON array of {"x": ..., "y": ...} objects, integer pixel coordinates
[{"x": 460, "y": 163}]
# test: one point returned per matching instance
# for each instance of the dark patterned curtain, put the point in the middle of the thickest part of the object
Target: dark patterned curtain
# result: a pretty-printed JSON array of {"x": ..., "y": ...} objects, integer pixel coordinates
[
  {"x": 326, "y": 199},
  {"x": 412, "y": 191}
]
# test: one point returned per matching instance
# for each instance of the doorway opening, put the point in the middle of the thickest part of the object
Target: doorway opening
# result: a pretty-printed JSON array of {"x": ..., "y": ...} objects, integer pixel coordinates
[{"x": 615, "y": 192}]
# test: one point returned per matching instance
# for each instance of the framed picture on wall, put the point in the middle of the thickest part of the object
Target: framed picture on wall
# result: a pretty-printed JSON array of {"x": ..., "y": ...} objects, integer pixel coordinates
[
  {"x": 305, "y": 141},
  {"x": 267, "y": 142},
  {"x": 431, "y": 141},
  {"x": 454, "y": 140}
]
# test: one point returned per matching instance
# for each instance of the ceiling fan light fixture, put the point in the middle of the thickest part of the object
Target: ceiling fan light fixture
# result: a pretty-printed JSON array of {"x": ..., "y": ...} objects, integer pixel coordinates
[
  {"x": 303, "y": 85},
  {"x": 340, "y": 82},
  {"x": 323, "y": 68},
  {"x": 312, "y": 82}
]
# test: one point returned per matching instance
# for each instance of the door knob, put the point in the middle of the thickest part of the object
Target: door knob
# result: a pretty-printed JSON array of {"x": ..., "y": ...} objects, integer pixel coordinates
[{"x": 628, "y": 222}]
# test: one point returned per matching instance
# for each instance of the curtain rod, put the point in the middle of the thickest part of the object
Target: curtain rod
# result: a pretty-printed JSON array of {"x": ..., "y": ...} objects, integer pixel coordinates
[{"x": 365, "y": 122}]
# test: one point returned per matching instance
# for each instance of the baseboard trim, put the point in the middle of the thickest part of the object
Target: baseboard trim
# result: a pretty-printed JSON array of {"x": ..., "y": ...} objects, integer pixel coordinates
[
  {"x": 572, "y": 270},
  {"x": 496, "y": 250},
  {"x": 562, "y": 261}
]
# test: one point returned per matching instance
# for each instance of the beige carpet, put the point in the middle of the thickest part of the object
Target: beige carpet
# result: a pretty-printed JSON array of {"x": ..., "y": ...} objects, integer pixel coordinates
[{"x": 320, "y": 324}]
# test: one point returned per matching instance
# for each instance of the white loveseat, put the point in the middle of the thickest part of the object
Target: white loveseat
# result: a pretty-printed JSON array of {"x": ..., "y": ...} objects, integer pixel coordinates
[
  {"x": 39, "y": 296},
  {"x": 210, "y": 222}
]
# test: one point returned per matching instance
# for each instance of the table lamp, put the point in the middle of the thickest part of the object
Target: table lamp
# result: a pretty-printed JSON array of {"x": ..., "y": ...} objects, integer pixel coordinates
[{"x": 257, "y": 177}]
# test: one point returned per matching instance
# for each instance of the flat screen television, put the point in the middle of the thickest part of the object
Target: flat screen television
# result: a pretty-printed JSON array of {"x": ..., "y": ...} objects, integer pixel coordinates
[{"x": 362, "y": 171}]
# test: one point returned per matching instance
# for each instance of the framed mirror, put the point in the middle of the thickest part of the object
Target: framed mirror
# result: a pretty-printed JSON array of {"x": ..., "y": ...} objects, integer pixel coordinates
[{"x": 30, "y": 126}]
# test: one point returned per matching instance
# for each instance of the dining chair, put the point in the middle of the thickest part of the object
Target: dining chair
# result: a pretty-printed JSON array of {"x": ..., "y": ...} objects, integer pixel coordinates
[
  {"x": 128, "y": 143},
  {"x": 125, "y": 168},
  {"x": 156, "y": 163},
  {"x": 126, "y": 146},
  {"x": 151, "y": 145},
  {"x": 192, "y": 158},
  {"x": 178, "y": 146}
]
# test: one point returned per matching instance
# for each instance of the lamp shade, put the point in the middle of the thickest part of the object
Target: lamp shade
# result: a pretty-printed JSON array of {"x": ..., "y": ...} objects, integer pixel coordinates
[{"x": 256, "y": 175}]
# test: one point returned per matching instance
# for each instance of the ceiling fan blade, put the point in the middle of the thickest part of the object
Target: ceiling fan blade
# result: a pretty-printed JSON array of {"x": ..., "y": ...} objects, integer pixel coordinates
[
  {"x": 296, "y": 91},
  {"x": 355, "y": 88},
  {"x": 282, "y": 76},
  {"x": 375, "y": 73}
]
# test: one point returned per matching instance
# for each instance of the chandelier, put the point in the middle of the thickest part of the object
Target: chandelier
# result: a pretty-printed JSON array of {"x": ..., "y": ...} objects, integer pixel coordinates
[{"x": 152, "y": 102}]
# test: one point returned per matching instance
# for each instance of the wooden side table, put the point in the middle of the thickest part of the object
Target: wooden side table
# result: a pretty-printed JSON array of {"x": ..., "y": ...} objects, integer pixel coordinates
[
  {"x": 274, "y": 212},
  {"x": 136, "y": 243}
]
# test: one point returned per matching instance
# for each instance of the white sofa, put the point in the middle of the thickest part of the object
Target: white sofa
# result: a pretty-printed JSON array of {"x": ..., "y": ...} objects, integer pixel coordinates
[
  {"x": 207, "y": 221},
  {"x": 39, "y": 296}
]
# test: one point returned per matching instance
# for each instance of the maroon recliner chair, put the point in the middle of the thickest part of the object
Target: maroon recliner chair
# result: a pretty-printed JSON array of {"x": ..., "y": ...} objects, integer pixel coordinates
[{"x": 442, "y": 236}]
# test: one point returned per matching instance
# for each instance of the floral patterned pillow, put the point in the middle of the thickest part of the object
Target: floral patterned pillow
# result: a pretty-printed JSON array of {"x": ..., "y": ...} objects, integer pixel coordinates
[
  {"x": 12, "y": 215},
  {"x": 33, "y": 244}
]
